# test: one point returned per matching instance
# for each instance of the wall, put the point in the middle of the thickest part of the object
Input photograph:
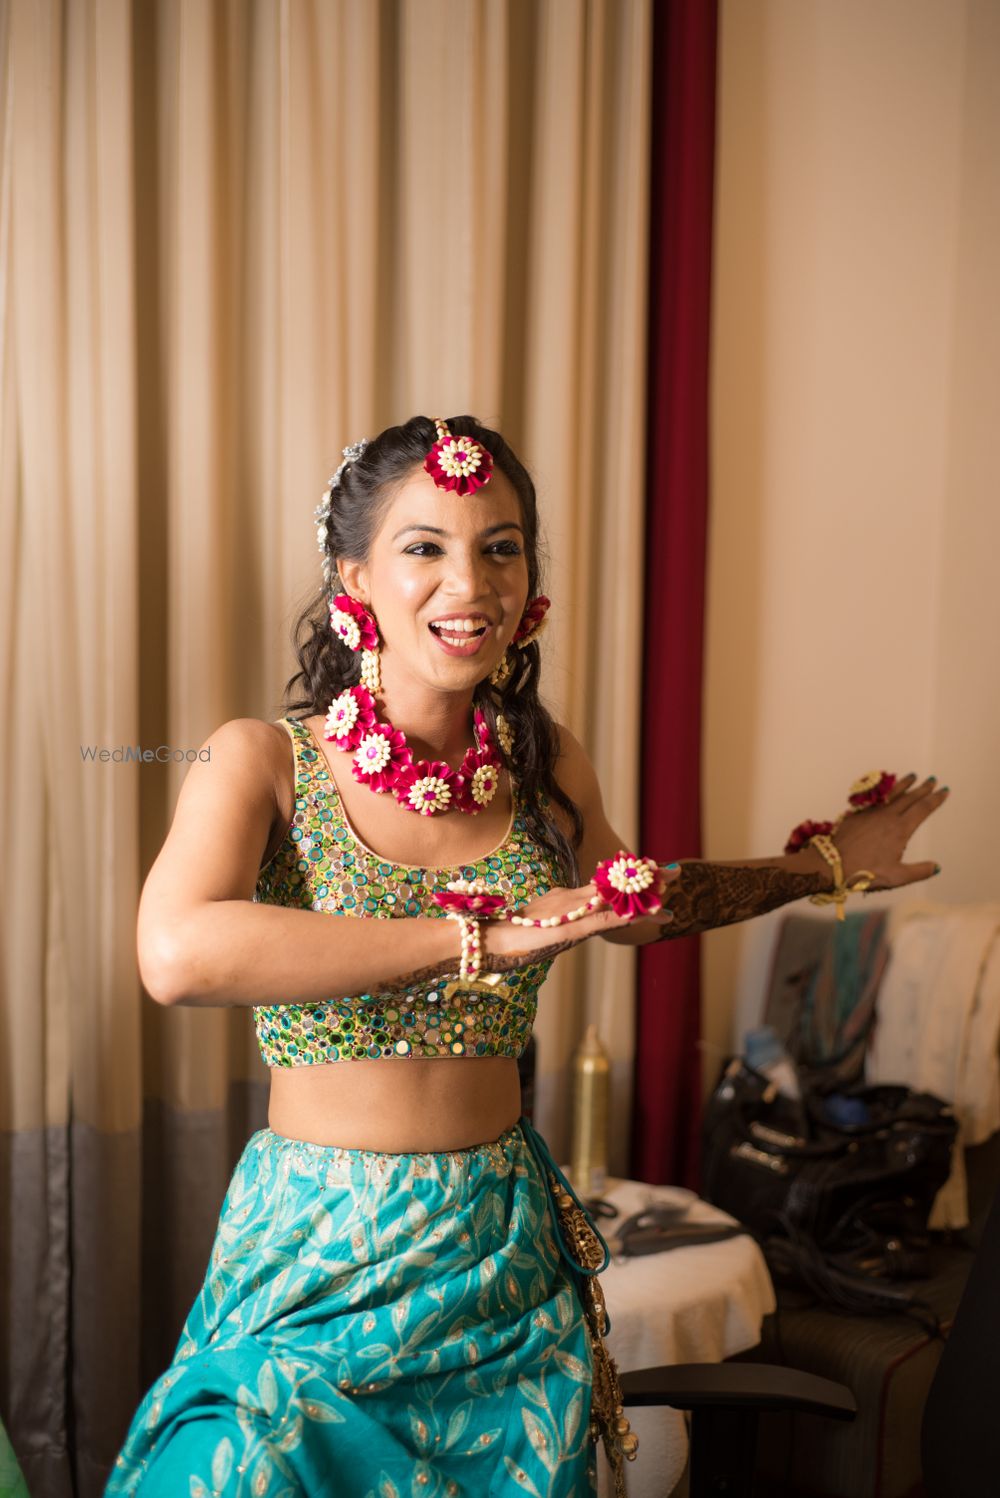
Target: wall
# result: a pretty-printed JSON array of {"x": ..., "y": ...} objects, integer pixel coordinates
[{"x": 854, "y": 601}]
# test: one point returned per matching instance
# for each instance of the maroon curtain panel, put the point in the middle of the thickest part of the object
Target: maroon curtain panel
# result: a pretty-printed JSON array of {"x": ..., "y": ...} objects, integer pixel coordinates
[{"x": 667, "y": 1086}]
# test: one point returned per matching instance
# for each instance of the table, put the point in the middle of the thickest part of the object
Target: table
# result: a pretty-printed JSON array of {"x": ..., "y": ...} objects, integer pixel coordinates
[{"x": 697, "y": 1304}]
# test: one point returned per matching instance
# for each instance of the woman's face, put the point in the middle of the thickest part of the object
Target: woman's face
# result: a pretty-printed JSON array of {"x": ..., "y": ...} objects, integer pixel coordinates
[{"x": 447, "y": 580}]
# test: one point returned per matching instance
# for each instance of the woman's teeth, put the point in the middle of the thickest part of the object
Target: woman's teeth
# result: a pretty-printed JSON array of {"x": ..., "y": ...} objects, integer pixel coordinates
[{"x": 458, "y": 631}]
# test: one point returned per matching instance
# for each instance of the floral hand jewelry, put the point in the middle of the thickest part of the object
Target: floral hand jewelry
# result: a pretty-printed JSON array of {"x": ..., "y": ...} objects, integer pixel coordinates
[
  {"x": 471, "y": 961},
  {"x": 468, "y": 896},
  {"x": 631, "y": 886},
  {"x": 872, "y": 789}
]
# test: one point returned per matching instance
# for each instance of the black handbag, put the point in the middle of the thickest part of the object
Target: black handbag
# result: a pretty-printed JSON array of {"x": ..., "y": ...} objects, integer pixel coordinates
[{"x": 836, "y": 1206}]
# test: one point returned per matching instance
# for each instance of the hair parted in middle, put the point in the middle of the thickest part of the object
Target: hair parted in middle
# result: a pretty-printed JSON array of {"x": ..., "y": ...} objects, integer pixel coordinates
[{"x": 326, "y": 666}]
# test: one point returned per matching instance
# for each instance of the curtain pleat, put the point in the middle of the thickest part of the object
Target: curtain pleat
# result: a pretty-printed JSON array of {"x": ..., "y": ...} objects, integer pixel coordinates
[{"x": 234, "y": 238}]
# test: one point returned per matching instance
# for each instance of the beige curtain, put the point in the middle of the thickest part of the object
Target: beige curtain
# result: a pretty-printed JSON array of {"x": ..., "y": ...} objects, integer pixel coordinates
[{"x": 233, "y": 238}]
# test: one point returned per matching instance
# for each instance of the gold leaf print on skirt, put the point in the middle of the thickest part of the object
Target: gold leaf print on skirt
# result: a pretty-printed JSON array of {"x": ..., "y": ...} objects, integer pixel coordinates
[{"x": 344, "y": 1359}]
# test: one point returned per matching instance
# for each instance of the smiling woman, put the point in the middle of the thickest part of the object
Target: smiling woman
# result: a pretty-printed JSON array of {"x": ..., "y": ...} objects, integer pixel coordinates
[{"x": 402, "y": 1294}]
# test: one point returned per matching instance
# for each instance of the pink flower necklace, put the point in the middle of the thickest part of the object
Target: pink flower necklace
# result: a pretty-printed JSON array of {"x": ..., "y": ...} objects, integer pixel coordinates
[{"x": 383, "y": 760}]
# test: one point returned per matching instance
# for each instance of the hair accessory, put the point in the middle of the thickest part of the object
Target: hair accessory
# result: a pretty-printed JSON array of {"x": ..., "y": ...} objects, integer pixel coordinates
[
  {"x": 352, "y": 623},
  {"x": 322, "y": 510},
  {"x": 533, "y": 621},
  {"x": 857, "y": 883},
  {"x": 472, "y": 951},
  {"x": 458, "y": 463},
  {"x": 468, "y": 895}
]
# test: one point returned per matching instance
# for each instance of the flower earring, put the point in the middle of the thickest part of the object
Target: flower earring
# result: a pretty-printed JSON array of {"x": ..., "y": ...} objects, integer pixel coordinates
[
  {"x": 533, "y": 621},
  {"x": 531, "y": 624},
  {"x": 352, "y": 623},
  {"x": 502, "y": 671}
]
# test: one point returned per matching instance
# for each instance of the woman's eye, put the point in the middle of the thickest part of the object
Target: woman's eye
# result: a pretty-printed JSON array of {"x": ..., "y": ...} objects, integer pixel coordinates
[{"x": 432, "y": 549}]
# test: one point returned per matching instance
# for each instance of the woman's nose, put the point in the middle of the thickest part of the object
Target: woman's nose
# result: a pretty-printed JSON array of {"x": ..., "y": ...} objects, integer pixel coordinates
[{"x": 468, "y": 576}]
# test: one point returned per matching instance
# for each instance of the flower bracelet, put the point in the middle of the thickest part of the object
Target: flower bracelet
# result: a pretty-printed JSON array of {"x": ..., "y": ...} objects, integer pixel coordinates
[
  {"x": 873, "y": 789},
  {"x": 630, "y": 886}
]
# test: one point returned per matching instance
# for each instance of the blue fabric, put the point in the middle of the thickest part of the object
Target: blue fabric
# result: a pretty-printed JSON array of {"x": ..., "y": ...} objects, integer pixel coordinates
[{"x": 376, "y": 1326}]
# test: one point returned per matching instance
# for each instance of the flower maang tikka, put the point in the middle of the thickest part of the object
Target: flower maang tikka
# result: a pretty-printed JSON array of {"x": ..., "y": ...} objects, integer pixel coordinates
[{"x": 458, "y": 463}]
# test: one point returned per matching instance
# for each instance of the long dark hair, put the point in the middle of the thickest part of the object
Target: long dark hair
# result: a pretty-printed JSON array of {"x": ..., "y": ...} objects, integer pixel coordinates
[{"x": 326, "y": 666}]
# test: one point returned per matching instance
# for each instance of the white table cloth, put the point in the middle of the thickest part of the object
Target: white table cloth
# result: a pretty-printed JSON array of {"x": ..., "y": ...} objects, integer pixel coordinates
[{"x": 697, "y": 1304}]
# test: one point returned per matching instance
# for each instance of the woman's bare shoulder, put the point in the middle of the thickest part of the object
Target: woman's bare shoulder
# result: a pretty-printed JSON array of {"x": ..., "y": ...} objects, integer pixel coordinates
[
  {"x": 252, "y": 752},
  {"x": 255, "y": 738}
]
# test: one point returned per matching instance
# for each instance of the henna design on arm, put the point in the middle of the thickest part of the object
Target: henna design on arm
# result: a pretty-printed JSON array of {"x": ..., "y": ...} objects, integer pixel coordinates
[
  {"x": 717, "y": 894},
  {"x": 492, "y": 963},
  {"x": 419, "y": 976},
  {"x": 511, "y": 960}
]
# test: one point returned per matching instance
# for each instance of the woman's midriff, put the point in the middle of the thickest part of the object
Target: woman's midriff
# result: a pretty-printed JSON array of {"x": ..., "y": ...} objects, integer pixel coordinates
[{"x": 417, "y": 1106}]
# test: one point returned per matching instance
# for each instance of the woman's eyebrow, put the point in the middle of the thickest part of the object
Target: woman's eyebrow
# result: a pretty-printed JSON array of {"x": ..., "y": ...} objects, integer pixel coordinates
[{"x": 434, "y": 530}]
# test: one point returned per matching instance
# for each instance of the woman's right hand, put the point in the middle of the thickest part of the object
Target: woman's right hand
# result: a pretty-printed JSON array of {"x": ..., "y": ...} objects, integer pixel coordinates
[{"x": 506, "y": 946}]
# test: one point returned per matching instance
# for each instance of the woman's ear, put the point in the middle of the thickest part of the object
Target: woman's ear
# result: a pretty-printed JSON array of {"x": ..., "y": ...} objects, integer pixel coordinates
[{"x": 354, "y": 579}]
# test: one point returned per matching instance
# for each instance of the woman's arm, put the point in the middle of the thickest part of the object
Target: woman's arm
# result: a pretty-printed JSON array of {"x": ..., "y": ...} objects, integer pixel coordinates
[
  {"x": 203, "y": 941},
  {"x": 707, "y": 895},
  {"x": 719, "y": 894}
]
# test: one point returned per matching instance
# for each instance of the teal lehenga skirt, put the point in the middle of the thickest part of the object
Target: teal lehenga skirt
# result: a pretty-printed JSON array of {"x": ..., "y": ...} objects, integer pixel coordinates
[{"x": 377, "y": 1326}]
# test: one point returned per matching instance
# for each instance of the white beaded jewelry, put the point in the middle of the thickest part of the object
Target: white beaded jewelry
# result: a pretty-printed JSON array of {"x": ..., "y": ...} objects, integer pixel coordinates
[
  {"x": 594, "y": 903},
  {"x": 472, "y": 951},
  {"x": 371, "y": 671}
]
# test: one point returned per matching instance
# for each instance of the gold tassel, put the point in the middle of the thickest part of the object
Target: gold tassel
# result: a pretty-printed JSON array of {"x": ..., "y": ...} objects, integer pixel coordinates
[{"x": 608, "y": 1421}]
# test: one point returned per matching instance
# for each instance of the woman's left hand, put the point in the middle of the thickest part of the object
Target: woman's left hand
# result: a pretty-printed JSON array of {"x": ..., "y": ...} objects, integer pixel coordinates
[{"x": 876, "y": 838}]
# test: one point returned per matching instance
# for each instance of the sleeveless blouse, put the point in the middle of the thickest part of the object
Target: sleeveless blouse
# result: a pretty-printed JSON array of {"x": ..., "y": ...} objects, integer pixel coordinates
[{"x": 323, "y": 865}]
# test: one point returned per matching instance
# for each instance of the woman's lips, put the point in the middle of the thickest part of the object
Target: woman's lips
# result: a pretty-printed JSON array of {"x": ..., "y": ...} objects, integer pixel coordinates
[{"x": 458, "y": 641}]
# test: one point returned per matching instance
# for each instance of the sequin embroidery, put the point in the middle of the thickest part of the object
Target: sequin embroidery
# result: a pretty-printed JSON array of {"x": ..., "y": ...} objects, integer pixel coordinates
[{"x": 322, "y": 866}]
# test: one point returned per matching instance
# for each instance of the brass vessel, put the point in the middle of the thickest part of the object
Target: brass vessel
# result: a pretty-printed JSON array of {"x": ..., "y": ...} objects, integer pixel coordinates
[{"x": 588, "y": 1167}]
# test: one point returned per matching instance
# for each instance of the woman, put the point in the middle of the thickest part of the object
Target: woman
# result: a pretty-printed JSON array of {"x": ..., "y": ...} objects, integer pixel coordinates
[{"x": 402, "y": 1296}]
